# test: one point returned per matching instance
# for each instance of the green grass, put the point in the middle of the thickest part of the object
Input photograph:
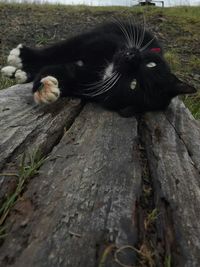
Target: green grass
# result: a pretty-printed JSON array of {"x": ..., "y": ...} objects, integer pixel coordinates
[
  {"x": 29, "y": 165},
  {"x": 2, "y": 233},
  {"x": 193, "y": 104},
  {"x": 185, "y": 12},
  {"x": 5, "y": 83},
  {"x": 168, "y": 261},
  {"x": 173, "y": 60}
]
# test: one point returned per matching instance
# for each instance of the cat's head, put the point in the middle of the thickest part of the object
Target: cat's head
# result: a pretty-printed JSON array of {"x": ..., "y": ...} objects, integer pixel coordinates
[
  {"x": 154, "y": 75},
  {"x": 148, "y": 72}
]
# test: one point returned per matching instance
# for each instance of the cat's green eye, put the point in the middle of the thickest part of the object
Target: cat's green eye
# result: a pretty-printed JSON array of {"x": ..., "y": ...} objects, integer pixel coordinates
[{"x": 151, "y": 64}]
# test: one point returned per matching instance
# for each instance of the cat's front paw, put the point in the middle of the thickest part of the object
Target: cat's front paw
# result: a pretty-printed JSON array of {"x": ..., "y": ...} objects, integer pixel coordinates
[{"x": 48, "y": 91}]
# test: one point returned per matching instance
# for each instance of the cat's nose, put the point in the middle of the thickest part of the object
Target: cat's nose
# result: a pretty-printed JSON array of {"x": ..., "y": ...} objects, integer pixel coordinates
[{"x": 132, "y": 53}]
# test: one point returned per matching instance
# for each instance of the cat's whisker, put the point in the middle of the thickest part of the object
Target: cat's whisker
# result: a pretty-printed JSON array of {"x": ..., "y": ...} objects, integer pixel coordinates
[
  {"x": 132, "y": 34},
  {"x": 92, "y": 86},
  {"x": 114, "y": 81},
  {"x": 140, "y": 35},
  {"x": 137, "y": 35},
  {"x": 147, "y": 44},
  {"x": 100, "y": 86},
  {"x": 124, "y": 31},
  {"x": 126, "y": 34},
  {"x": 133, "y": 23},
  {"x": 105, "y": 88},
  {"x": 143, "y": 33}
]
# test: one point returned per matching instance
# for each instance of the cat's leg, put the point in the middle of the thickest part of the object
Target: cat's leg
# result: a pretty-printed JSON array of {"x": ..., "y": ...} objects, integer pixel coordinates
[{"x": 22, "y": 64}]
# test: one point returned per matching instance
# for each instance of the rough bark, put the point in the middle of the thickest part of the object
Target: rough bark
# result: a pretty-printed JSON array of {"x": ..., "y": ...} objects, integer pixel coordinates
[
  {"x": 25, "y": 126},
  {"x": 86, "y": 200}
]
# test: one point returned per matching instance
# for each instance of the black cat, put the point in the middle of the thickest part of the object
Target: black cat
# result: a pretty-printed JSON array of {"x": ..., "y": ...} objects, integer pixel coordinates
[{"x": 119, "y": 65}]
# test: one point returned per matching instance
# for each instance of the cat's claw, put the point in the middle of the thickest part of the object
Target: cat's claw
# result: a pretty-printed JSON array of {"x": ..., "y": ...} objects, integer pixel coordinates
[
  {"x": 14, "y": 73},
  {"x": 14, "y": 58},
  {"x": 48, "y": 91}
]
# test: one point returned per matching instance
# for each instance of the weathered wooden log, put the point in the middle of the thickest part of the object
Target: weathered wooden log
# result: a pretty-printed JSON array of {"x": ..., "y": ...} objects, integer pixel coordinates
[{"x": 86, "y": 203}]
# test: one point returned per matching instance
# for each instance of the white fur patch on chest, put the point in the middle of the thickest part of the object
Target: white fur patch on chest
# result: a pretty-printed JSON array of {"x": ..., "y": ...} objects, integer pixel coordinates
[{"x": 108, "y": 71}]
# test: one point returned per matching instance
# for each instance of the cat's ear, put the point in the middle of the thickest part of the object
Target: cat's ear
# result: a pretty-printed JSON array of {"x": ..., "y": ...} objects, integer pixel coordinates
[{"x": 183, "y": 88}]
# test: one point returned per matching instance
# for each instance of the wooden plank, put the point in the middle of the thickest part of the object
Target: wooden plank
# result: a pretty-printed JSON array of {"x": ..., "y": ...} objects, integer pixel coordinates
[
  {"x": 172, "y": 144},
  {"x": 84, "y": 200},
  {"x": 25, "y": 126},
  {"x": 82, "y": 206}
]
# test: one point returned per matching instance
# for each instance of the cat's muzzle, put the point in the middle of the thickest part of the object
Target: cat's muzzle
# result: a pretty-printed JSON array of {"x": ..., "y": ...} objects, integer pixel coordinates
[{"x": 132, "y": 53}]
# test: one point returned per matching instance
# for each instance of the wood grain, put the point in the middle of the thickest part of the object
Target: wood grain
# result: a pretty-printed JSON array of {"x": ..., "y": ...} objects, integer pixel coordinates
[
  {"x": 85, "y": 198},
  {"x": 86, "y": 201}
]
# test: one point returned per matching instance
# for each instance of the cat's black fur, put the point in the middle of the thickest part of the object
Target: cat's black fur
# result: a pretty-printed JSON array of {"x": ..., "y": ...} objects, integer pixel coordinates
[{"x": 138, "y": 78}]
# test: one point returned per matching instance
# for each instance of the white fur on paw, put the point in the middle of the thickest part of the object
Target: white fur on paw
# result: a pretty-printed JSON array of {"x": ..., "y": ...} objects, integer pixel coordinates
[
  {"x": 49, "y": 91},
  {"x": 14, "y": 57},
  {"x": 8, "y": 71},
  {"x": 20, "y": 76}
]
